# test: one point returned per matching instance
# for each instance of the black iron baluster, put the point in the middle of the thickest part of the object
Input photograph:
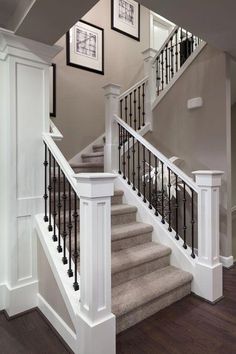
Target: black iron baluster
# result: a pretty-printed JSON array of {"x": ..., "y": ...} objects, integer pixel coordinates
[
  {"x": 126, "y": 110},
  {"x": 143, "y": 95},
  {"x": 133, "y": 164},
  {"x": 139, "y": 108},
  {"x": 156, "y": 201},
  {"x": 166, "y": 64},
  {"x": 169, "y": 200},
  {"x": 128, "y": 158},
  {"x": 59, "y": 248},
  {"x": 76, "y": 251},
  {"x": 54, "y": 237},
  {"x": 135, "y": 117},
  {"x": 144, "y": 175},
  {"x": 176, "y": 209},
  {"x": 150, "y": 180},
  {"x": 139, "y": 169},
  {"x": 158, "y": 75},
  {"x": 119, "y": 149},
  {"x": 192, "y": 221},
  {"x": 162, "y": 193},
  {"x": 70, "y": 226},
  {"x": 130, "y": 110},
  {"x": 121, "y": 109},
  {"x": 45, "y": 183},
  {"x": 124, "y": 162},
  {"x": 64, "y": 234},
  {"x": 162, "y": 70},
  {"x": 184, "y": 210},
  {"x": 181, "y": 51},
  {"x": 172, "y": 57},
  {"x": 50, "y": 191},
  {"x": 176, "y": 51}
]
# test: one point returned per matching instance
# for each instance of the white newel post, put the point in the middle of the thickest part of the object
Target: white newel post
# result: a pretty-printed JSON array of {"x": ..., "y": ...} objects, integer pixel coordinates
[
  {"x": 151, "y": 89},
  {"x": 208, "y": 267},
  {"x": 24, "y": 112},
  {"x": 97, "y": 332},
  {"x": 112, "y": 93}
]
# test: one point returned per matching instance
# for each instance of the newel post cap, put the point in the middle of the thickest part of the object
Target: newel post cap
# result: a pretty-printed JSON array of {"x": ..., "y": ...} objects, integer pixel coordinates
[
  {"x": 95, "y": 185},
  {"x": 112, "y": 89},
  {"x": 149, "y": 53},
  {"x": 205, "y": 178}
]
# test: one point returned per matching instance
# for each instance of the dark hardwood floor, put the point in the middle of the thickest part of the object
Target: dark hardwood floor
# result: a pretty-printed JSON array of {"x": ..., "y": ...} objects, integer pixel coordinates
[
  {"x": 29, "y": 334},
  {"x": 190, "y": 326}
]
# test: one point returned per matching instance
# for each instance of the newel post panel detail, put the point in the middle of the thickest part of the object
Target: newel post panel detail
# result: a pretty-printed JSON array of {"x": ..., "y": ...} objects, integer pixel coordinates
[
  {"x": 150, "y": 71},
  {"x": 208, "y": 267},
  {"x": 112, "y": 93},
  {"x": 97, "y": 331}
]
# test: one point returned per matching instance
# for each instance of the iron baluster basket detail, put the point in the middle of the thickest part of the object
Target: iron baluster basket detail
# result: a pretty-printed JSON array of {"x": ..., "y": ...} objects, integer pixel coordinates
[{"x": 172, "y": 198}]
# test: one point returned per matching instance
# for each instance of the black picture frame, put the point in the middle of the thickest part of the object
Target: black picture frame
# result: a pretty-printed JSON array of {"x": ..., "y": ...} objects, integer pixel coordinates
[
  {"x": 53, "y": 85},
  {"x": 119, "y": 30},
  {"x": 78, "y": 66}
]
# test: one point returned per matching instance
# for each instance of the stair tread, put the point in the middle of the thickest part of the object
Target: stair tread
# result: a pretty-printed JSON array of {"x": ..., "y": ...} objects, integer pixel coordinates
[
  {"x": 98, "y": 146},
  {"x": 119, "y": 232},
  {"x": 122, "y": 209},
  {"x": 93, "y": 154},
  {"x": 134, "y": 256},
  {"x": 137, "y": 292},
  {"x": 87, "y": 164}
]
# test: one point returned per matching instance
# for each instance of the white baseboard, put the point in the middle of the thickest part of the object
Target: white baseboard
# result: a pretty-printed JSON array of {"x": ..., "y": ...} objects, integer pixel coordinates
[
  {"x": 68, "y": 335},
  {"x": 2, "y": 296},
  {"x": 19, "y": 299},
  {"x": 227, "y": 262}
]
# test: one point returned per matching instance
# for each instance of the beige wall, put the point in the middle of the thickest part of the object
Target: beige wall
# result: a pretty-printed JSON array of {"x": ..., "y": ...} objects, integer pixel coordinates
[
  {"x": 233, "y": 144},
  {"x": 48, "y": 288},
  {"x": 80, "y": 100},
  {"x": 200, "y": 136}
]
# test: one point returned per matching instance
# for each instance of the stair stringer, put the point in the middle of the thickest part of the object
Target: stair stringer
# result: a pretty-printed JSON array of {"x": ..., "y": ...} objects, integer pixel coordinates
[
  {"x": 64, "y": 283},
  {"x": 179, "y": 257}
]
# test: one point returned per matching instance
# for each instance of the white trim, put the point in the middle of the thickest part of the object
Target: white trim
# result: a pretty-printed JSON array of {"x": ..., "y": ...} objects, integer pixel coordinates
[
  {"x": 2, "y": 296},
  {"x": 132, "y": 88},
  {"x": 233, "y": 209},
  {"x": 189, "y": 61},
  {"x": 55, "y": 134},
  {"x": 88, "y": 149},
  {"x": 227, "y": 262},
  {"x": 159, "y": 155},
  {"x": 165, "y": 43},
  {"x": 58, "y": 323}
]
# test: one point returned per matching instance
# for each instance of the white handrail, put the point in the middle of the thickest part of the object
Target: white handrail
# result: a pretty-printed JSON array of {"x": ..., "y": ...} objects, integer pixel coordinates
[
  {"x": 55, "y": 132},
  {"x": 158, "y": 154},
  {"x": 165, "y": 43},
  {"x": 61, "y": 160},
  {"x": 131, "y": 89}
]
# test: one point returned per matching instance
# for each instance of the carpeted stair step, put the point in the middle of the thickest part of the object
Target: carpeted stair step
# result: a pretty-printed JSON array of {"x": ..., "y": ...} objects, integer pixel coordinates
[
  {"x": 98, "y": 148},
  {"x": 88, "y": 167},
  {"x": 140, "y": 298},
  {"x": 93, "y": 157},
  {"x": 139, "y": 260},
  {"x": 130, "y": 235}
]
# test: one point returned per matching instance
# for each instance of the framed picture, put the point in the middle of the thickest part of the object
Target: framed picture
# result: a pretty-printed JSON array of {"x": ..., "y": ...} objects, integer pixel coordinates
[
  {"x": 52, "y": 90},
  {"x": 125, "y": 17},
  {"x": 85, "y": 47}
]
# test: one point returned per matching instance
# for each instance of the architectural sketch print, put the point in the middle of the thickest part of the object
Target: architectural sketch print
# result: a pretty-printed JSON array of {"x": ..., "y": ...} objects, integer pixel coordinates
[
  {"x": 86, "y": 43},
  {"x": 126, "y": 12}
]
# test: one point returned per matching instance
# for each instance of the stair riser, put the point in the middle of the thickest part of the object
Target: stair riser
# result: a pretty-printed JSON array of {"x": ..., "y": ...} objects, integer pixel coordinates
[
  {"x": 142, "y": 269},
  {"x": 116, "y": 199},
  {"x": 99, "y": 159},
  {"x": 88, "y": 169},
  {"x": 131, "y": 318},
  {"x": 118, "y": 245}
]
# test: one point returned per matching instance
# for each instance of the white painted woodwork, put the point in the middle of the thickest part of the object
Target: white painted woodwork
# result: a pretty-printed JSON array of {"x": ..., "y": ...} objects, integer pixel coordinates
[
  {"x": 209, "y": 268},
  {"x": 112, "y": 93},
  {"x": 96, "y": 323},
  {"x": 24, "y": 116}
]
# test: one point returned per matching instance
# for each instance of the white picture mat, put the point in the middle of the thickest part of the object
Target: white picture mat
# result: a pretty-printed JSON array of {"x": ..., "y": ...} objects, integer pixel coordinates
[
  {"x": 121, "y": 25},
  {"x": 83, "y": 60}
]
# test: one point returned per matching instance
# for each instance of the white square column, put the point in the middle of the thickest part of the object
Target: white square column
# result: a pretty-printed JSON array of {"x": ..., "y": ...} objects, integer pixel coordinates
[
  {"x": 24, "y": 111},
  {"x": 97, "y": 330}
]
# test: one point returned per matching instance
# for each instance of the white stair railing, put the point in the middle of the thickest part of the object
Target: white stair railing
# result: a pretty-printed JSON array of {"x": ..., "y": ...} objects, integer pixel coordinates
[{"x": 192, "y": 217}]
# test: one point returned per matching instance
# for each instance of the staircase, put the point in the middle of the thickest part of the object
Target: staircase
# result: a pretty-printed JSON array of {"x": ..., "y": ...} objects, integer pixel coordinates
[{"x": 143, "y": 281}]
